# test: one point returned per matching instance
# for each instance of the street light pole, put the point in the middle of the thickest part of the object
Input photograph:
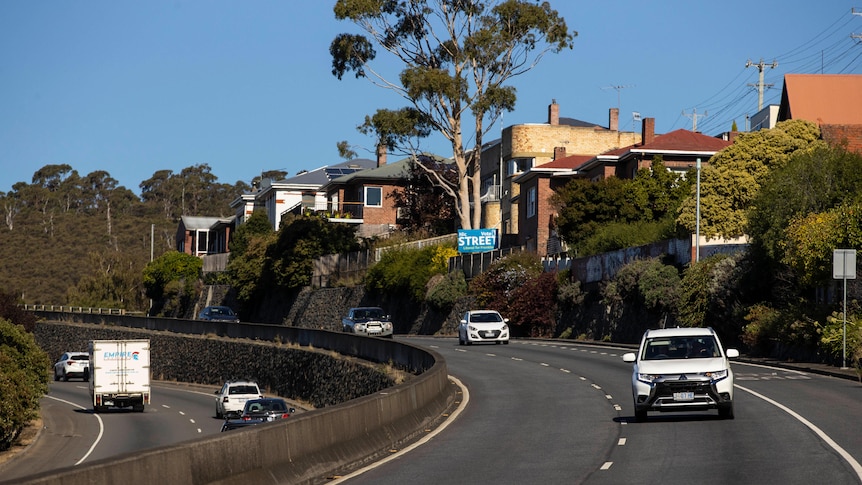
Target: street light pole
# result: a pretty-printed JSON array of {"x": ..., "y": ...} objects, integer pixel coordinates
[{"x": 697, "y": 230}]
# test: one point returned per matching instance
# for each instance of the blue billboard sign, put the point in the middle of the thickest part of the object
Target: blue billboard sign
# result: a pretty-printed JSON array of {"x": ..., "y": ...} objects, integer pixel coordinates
[{"x": 477, "y": 240}]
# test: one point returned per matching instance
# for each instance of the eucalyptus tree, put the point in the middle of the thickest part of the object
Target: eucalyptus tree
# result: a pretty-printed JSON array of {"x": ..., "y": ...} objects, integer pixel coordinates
[{"x": 457, "y": 57}]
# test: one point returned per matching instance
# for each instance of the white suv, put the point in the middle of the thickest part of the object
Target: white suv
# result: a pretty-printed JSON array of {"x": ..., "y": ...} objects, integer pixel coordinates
[
  {"x": 231, "y": 398},
  {"x": 682, "y": 369}
]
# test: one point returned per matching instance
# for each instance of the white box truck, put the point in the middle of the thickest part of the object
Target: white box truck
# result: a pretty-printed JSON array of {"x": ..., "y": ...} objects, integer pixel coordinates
[{"x": 119, "y": 374}]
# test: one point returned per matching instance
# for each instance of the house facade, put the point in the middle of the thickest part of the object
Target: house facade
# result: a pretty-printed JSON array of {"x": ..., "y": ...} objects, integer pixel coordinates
[
  {"x": 526, "y": 146},
  {"x": 365, "y": 197},
  {"x": 303, "y": 191},
  {"x": 678, "y": 149},
  {"x": 202, "y": 236}
]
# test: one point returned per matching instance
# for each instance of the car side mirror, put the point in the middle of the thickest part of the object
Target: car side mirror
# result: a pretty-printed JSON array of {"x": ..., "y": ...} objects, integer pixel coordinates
[
  {"x": 732, "y": 353},
  {"x": 505, "y": 320},
  {"x": 629, "y": 357}
]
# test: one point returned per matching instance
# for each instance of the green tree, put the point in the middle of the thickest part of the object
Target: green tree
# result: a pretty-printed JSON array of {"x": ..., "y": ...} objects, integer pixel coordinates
[
  {"x": 23, "y": 380},
  {"x": 810, "y": 240},
  {"x": 172, "y": 266},
  {"x": 423, "y": 205},
  {"x": 648, "y": 284},
  {"x": 811, "y": 182},
  {"x": 495, "y": 287},
  {"x": 115, "y": 282},
  {"x": 301, "y": 240},
  {"x": 458, "y": 59},
  {"x": 732, "y": 179},
  {"x": 716, "y": 292},
  {"x": 406, "y": 271}
]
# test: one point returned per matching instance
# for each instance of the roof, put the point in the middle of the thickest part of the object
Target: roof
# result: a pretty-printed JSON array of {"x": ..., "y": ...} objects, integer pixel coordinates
[
  {"x": 683, "y": 140},
  {"x": 571, "y": 161},
  {"x": 680, "y": 332},
  {"x": 825, "y": 99},
  {"x": 204, "y": 223},
  {"x": 323, "y": 175},
  {"x": 388, "y": 172}
]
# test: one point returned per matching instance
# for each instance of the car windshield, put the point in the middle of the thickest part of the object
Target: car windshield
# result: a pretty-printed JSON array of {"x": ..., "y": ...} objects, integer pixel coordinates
[
  {"x": 369, "y": 313},
  {"x": 80, "y": 357},
  {"x": 242, "y": 390},
  {"x": 485, "y": 317},
  {"x": 701, "y": 346},
  {"x": 221, "y": 311}
]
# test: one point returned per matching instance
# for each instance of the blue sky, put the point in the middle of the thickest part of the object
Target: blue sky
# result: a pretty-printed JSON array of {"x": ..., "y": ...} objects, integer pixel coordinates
[{"x": 134, "y": 87}]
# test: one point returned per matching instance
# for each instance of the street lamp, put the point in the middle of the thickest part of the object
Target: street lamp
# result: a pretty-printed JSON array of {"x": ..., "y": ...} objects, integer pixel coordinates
[{"x": 697, "y": 229}]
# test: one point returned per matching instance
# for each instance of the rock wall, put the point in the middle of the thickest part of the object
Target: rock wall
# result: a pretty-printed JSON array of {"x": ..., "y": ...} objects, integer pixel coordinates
[{"x": 319, "y": 378}]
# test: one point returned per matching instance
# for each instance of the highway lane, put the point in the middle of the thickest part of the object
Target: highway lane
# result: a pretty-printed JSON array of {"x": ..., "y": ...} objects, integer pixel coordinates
[
  {"x": 569, "y": 419},
  {"x": 73, "y": 434}
]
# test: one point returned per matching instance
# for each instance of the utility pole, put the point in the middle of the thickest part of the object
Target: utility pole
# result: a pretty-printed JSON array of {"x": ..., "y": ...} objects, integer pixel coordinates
[
  {"x": 760, "y": 67},
  {"x": 693, "y": 117}
]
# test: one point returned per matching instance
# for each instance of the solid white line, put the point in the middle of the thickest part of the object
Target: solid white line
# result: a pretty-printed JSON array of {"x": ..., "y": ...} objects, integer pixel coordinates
[
  {"x": 101, "y": 428},
  {"x": 465, "y": 399},
  {"x": 829, "y": 441}
]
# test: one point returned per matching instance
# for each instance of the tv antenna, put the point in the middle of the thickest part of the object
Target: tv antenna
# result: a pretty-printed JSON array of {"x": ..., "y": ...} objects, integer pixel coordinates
[{"x": 618, "y": 88}]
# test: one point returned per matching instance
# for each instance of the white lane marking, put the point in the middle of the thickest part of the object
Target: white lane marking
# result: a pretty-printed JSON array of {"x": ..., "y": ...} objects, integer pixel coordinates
[
  {"x": 617, "y": 407},
  {"x": 543, "y": 364},
  {"x": 465, "y": 399},
  {"x": 829, "y": 441},
  {"x": 98, "y": 437},
  {"x": 608, "y": 397},
  {"x": 567, "y": 371},
  {"x": 491, "y": 355},
  {"x": 621, "y": 442},
  {"x": 181, "y": 413},
  {"x": 517, "y": 359},
  {"x": 607, "y": 465}
]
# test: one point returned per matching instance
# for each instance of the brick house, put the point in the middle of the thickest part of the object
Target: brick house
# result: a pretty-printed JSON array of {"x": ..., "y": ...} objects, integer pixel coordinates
[
  {"x": 679, "y": 150},
  {"x": 833, "y": 101},
  {"x": 526, "y": 146},
  {"x": 364, "y": 197},
  {"x": 295, "y": 194}
]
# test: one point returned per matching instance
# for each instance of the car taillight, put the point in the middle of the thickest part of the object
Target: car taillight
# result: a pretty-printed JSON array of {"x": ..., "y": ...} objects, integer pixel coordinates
[
  {"x": 285, "y": 415},
  {"x": 225, "y": 399},
  {"x": 246, "y": 418}
]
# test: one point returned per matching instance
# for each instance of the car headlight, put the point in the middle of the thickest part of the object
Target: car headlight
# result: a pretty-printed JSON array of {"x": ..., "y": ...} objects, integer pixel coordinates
[
  {"x": 360, "y": 326},
  {"x": 647, "y": 378},
  {"x": 387, "y": 325},
  {"x": 716, "y": 375},
  {"x": 505, "y": 327},
  {"x": 472, "y": 328}
]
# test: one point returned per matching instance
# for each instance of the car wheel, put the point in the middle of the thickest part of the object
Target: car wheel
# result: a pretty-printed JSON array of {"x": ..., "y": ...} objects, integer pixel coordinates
[
  {"x": 218, "y": 413},
  {"x": 726, "y": 412},
  {"x": 505, "y": 342},
  {"x": 56, "y": 376},
  {"x": 469, "y": 342},
  {"x": 640, "y": 415},
  {"x": 86, "y": 376},
  {"x": 65, "y": 377}
]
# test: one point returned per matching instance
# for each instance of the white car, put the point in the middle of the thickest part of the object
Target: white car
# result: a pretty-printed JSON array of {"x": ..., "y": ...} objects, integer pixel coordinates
[
  {"x": 231, "y": 398},
  {"x": 483, "y": 326},
  {"x": 682, "y": 369},
  {"x": 73, "y": 364}
]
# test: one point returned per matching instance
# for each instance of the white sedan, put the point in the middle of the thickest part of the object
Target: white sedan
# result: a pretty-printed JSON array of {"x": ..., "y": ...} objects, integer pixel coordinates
[{"x": 483, "y": 326}]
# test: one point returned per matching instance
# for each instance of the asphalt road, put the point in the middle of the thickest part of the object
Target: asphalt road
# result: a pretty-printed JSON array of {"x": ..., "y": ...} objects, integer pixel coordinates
[
  {"x": 562, "y": 413},
  {"x": 72, "y": 434},
  {"x": 533, "y": 412}
]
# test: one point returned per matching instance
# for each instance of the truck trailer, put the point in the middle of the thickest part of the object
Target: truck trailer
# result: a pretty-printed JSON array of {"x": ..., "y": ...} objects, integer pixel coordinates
[{"x": 119, "y": 374}]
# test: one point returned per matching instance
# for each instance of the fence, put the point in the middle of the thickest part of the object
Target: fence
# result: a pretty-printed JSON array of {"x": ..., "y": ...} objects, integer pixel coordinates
[
  {"x": 331, "y": 268},
  {"x": 473, "y": 264},
  {"x": 79, "y": 309}
]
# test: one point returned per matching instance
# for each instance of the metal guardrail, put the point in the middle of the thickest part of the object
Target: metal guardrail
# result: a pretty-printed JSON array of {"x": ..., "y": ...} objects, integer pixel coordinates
[{"x": 80, "y": 309}]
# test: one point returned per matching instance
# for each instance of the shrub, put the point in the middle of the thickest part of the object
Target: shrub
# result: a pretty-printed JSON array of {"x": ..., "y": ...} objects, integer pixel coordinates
[
  {"x": 442, "y": 296},
  {"x": 23, "y": 380},
  {"x": 406, "y": 270},
  {"x": 493, "y": 288},
  {"x": 171, "y": 266},
  {"x": 10, "y": 309}
]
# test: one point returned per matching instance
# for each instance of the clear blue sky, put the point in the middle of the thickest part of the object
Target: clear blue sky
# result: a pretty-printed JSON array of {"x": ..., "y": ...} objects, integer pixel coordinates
[{"x": 133, "y": 87}]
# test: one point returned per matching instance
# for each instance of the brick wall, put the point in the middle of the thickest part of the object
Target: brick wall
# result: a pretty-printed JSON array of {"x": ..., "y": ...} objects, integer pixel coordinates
[
  {"x": 539, "y": 140},
  {"x": 839, "y": 134}
]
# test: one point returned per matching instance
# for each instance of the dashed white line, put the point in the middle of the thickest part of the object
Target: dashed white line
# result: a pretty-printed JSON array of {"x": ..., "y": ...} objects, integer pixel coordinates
[
  {"x": 621, "y": 442},
  {"x": 543, "y": 364},
  {"x": 607, "y": 465},
  {"x": 567, "y": 371}
]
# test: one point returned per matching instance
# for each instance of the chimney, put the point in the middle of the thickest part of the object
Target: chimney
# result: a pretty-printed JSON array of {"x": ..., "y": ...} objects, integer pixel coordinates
[
  {"x": 381, "y": 155},
  {"x": 614, "y": 119},
  {"x": 554, "y": 113},
  {"x": 559, "y": 152},
  {"x": 648, "y": 134}
]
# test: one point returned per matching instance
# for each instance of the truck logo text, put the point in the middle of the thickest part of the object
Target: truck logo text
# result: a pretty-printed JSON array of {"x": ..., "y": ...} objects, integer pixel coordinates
[{"x": 121, "y": 355}]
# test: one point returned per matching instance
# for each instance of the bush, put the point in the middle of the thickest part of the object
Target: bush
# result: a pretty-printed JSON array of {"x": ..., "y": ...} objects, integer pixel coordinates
[
  {"x": 406, "y": 270},
  {"x": 10, "y": 309},
  {"x": 493, "y": 288},
  {"x": 171, "y": 266},
  {"x": 442, "y": 296},
  {"x": 23, "y": 380},
  {"x": 621, "y": 235}
]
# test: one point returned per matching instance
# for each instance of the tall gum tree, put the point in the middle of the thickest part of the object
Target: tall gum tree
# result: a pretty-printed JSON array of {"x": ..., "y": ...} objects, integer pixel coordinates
[{"x": 457, "y": 56}]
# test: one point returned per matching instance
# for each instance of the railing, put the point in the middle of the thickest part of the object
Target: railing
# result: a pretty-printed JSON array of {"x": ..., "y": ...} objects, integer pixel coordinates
[{"x": 79, "y": 309}]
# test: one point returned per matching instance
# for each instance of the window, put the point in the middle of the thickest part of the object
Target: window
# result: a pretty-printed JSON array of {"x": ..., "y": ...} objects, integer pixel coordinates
[
  {"x": 518, "y": 165},
  {"x": 531, "y": 202},
  {"x": 373, "y": 197}
]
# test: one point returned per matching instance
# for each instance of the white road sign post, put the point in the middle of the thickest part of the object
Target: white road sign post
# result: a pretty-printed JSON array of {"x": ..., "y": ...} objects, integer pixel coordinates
[{"x": 844, "y": 268}]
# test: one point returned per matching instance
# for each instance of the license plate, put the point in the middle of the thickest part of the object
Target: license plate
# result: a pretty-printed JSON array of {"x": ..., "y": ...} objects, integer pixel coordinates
[
  {"x": 489, "y": 333},
  {"x": 683, "y": 396}
]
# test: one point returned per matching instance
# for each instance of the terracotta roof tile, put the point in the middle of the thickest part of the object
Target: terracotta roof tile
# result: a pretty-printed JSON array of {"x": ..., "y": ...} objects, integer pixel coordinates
[{"x": 684, "y": 140}]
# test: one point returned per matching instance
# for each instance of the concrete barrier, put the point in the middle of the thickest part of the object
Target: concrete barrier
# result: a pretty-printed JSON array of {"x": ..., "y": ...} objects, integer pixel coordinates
[{"x": 303, "y": 449}]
